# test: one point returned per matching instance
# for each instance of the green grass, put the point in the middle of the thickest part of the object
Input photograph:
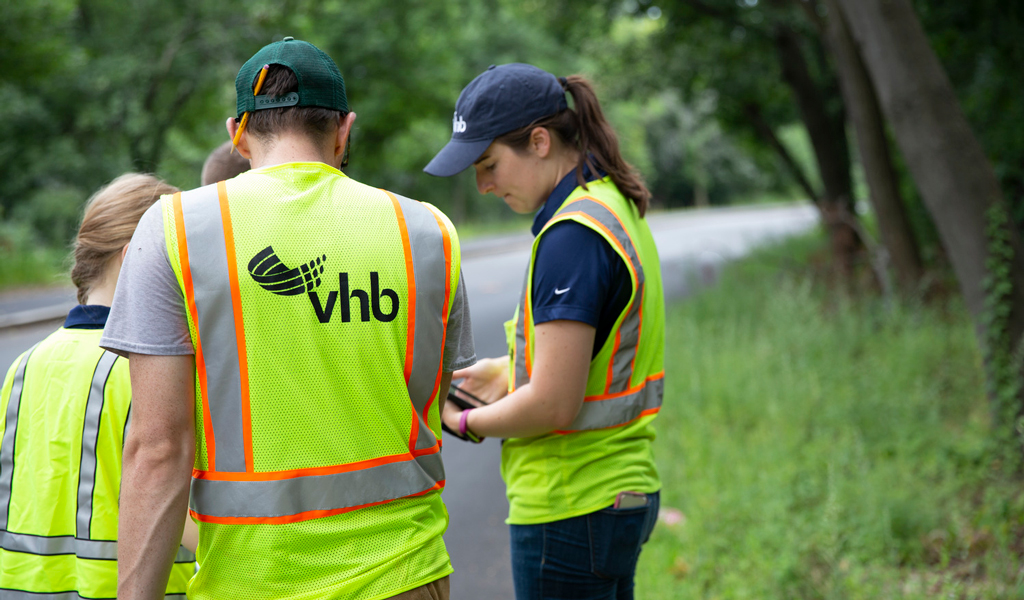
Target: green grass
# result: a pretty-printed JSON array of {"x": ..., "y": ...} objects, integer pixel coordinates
[{"x": 821, "y": 447}]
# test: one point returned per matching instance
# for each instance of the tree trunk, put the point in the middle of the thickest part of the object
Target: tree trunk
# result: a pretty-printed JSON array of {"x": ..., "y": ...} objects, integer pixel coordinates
[
  {"x": 953, "y": 175},
  {"x": 859, "y": 97},
  {"x": 753, "y": 113},
  {"x": 828, "y": 138}
]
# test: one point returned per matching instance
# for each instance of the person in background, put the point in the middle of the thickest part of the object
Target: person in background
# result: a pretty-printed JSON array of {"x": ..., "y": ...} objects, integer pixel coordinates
[
  {"x": 583, "y": 382},
  {"x": 222, "y": 164},
  {"x": 65, "y": 407},
  {"x": 292, "y": 335}
]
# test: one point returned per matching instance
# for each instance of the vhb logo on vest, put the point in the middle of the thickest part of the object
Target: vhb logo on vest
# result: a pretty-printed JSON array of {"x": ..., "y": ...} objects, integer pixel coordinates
[
  {"x": 366, "y": 301},
  {"x": 267, "y": 270},
  {"x": 458, "y": 124},
  {"x": 271, "y": 274}
]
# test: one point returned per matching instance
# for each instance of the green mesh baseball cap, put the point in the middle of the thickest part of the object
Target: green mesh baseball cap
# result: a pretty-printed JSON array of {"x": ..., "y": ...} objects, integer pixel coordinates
[{"x": 320, "y": 81}]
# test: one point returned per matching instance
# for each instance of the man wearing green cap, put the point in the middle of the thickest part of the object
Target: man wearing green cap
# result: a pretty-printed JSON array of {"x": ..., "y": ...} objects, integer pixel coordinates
[{"x": 291, "y": 334}]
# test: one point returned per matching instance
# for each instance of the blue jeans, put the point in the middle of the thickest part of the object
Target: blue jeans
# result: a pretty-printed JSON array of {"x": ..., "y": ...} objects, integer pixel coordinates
[{"x": 590, "y": 557}]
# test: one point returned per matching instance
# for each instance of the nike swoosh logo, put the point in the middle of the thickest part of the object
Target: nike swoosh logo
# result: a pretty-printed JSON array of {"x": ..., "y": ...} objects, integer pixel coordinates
[{"x": 559, "y": 292}]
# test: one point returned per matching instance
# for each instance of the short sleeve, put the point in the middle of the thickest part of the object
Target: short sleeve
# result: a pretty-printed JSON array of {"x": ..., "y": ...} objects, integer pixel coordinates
[
  {"x": 577, "y": 276},
  {"x": 147, "y": 315},
  {"x": 459, "y": 348}
]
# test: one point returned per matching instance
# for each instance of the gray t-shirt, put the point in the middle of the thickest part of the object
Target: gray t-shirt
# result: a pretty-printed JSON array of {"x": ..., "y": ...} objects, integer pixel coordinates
[{"x": 148, "y": 312}]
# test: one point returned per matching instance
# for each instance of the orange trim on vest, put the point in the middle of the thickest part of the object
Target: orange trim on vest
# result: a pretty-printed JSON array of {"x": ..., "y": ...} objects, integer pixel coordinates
[
  {"x": 236, "y": 305},
  {"x": 614, "y": 214},
  {"x": 528, "y": 331},
  {"x": 631, "y": 390},
  {"x": 303, "y": 516},
  {"x": 414, "y": 430},
  {"x": 310, "y": 471},
  {"x": 611, "y": 363},
  {"x": 410, "y": 334},
  {"x": 632, "y": 270},
  {"x": 642, "y": 289},
  {"x": 410, "y": 276},
  {"x": 190, "y": 302},
  {"x": 646, "y": 413},
  {"x": 639, "y": 329},
  {"x": 444, "y": 314}
]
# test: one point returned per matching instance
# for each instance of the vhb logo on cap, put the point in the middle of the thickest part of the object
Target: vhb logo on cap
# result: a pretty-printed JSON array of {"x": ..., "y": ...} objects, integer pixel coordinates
[{"x": 458, "y": 124}]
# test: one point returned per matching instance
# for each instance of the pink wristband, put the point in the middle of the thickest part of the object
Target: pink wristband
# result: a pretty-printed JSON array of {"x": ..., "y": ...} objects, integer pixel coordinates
[{"x": 462, "y": 422}]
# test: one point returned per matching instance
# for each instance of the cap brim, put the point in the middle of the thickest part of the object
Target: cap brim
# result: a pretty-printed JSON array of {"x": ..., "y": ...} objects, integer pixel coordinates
[{"x": 455, "y": 157}]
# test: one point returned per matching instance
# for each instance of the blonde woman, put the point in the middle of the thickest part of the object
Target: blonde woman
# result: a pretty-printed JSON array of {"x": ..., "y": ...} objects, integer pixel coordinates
[{"x": 65, "y": 405}]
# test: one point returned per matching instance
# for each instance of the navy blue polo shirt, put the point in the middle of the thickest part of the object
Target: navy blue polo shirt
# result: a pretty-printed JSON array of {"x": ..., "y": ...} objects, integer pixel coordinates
[
  {"x": 576, "y": 275},
  {"x": 87, "y": 316}
]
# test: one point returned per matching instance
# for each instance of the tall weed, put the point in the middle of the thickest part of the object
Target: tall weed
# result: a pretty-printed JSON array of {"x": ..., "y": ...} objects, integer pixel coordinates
[{"x": 822, "y": 447}]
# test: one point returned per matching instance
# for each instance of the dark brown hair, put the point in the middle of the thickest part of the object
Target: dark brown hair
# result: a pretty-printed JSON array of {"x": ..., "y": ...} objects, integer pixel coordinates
[
  {"x": 313, "y": 121},
  {"x": 223, "y": 164},
  {"x": 108, "y": 224},
  {"x": 586, "y": 130}
]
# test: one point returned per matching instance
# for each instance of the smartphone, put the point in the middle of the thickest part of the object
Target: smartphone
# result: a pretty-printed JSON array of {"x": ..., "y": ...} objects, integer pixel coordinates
[
  {"x": 630, "y": 500},
  {"x": 464, "y": 399}
]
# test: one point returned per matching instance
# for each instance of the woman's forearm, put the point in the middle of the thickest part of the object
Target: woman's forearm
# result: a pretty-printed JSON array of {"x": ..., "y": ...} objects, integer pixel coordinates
[
  {"x": 552, "y": 398},
  {"x": 522, "y": 413}
]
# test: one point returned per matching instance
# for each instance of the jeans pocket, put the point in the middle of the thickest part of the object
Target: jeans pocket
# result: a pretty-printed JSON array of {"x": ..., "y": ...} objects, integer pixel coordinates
[{"x": 615, "y": 539}]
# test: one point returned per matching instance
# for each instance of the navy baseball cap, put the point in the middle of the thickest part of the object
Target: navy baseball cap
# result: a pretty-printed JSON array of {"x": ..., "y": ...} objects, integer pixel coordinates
[{"x": 501, "y": 99}]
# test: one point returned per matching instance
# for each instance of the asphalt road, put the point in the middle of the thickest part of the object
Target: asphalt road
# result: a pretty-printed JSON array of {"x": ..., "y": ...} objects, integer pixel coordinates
[{"x": 692, "y": 246}]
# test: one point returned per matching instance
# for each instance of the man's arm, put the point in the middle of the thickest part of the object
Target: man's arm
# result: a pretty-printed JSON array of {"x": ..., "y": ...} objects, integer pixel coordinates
[
  {"x": 157, "y": 468},
  {"x": 446, "y": 383}
]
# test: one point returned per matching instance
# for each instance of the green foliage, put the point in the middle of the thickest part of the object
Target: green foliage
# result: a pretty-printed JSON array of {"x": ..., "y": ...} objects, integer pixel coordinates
[
  {"x": 95, "y": 89},
  {"x": 24, "y": 261},
  {"x": 90, "y": 90},
  {"x": 821, "y": 447},
  {"x": 693, "y": 161},
  {"x": 1003, "y": 355},
  {"x": 981, "y": 46}
]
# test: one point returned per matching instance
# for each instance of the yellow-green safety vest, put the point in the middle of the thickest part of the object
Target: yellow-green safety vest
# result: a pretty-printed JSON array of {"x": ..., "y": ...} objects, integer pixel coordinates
[
  {"x": 318, "y": 308},
  {"x": 65, "y": 408},
  {"x": 607, "y": 449}
]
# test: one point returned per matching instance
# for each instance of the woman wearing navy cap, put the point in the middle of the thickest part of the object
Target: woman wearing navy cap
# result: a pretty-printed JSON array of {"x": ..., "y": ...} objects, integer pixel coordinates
[{"x": 584, "y": 377}]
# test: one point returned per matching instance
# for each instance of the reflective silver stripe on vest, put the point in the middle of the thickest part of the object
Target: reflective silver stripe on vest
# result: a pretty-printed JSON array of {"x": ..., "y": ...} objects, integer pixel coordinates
[
  {"x": 9, "y": 594},
  {"x": 629, "y": 329},
  {"x": 426, "y": 243},
  {"x": 522, "y": 375},
  {"x": 57, "y": 545},
  {"x": 90, "y": 438},
  {"x": 204, "y": 232},
  {"x": 7, "y": 444},
  {"x": 617, "y": 411},
  {"x": 285, "y": 497},
  {"x": 597, "y": 414}
]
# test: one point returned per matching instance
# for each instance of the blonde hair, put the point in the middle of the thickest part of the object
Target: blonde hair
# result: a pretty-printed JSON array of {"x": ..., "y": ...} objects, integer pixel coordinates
[{"x": 108, "y": 223}]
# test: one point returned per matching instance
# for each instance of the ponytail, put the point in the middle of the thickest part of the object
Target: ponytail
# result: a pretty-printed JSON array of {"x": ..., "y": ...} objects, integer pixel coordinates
[{"x": 586, "y": 130}]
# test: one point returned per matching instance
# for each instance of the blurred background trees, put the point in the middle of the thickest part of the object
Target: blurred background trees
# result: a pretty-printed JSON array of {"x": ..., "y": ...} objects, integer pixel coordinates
[{"x": 716, "y": 102}]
